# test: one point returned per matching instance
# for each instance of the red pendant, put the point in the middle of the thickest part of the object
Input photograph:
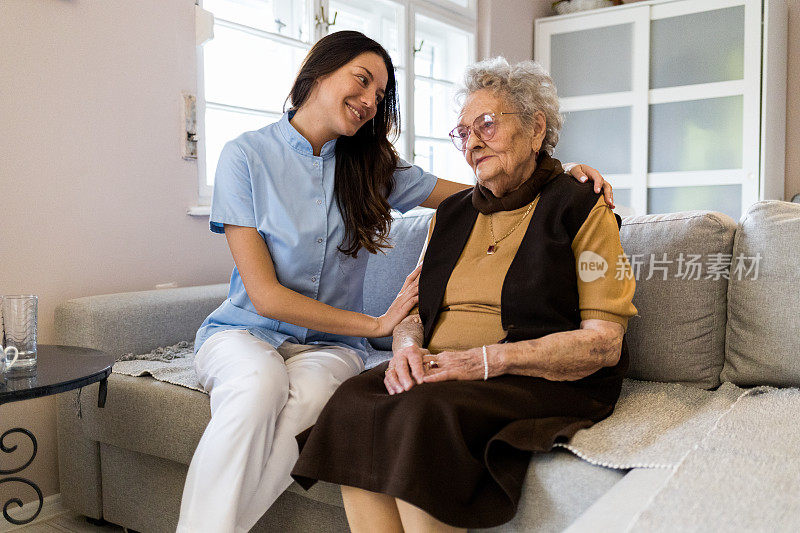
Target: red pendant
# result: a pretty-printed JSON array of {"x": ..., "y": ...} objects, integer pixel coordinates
[{"x": 491, "y": 249}]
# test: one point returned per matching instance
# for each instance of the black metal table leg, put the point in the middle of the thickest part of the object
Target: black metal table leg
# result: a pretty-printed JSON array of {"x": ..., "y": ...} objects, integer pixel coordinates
[
  {"x": 102, "y": 392},
  {"x": 17, "y": 501}
]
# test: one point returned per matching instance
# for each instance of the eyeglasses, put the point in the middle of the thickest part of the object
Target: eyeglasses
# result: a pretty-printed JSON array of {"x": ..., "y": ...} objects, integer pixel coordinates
[{"x": 484, "y": 127}]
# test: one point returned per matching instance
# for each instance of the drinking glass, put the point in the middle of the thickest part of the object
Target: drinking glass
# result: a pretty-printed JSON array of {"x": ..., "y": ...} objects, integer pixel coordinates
[{"x": 19, "y": 328}]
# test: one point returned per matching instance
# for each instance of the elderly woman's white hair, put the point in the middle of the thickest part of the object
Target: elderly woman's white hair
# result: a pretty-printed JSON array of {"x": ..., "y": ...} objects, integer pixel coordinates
[{"x": 526, "y": 85}]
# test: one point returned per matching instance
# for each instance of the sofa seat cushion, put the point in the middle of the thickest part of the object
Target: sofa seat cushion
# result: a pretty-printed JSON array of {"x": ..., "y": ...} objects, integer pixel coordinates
[
  {"x": 763, "y": 330},
  {"x": 147, "y": 416},
  {"x": 678, "y": 334},
  {"x": 558, "y": 488},
  {"x": 622, "y": 503}
]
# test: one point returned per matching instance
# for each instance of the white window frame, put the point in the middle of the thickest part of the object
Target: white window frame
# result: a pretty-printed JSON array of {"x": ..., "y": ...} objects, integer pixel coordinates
[{"x": 463, "y": 18}]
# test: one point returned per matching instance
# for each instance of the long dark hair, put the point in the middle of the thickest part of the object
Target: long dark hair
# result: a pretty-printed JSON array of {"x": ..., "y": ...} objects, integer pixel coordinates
[{"x": 366, "y": 161}]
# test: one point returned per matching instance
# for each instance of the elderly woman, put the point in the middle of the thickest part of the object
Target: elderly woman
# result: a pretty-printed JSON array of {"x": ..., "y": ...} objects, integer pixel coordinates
[{"x": 515, "y": 345}]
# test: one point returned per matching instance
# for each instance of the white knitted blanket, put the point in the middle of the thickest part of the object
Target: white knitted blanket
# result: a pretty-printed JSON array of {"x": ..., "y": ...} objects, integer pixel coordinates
[{"x": 172, "y": 364}]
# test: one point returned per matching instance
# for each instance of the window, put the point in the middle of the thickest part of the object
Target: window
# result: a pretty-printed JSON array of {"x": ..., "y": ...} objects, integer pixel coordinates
[
  {"x": 441, "y": 54},
  {"x": 247, "y": 70},
  {"x": 248, "y": 67}
]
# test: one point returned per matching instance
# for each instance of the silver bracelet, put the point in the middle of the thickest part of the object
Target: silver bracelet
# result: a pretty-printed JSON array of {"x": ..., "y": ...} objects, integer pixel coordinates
[{"x": 485, "y": 365}]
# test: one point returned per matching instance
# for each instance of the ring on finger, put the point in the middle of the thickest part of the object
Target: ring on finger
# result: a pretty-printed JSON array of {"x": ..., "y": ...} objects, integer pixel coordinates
[{"x": 431, "y": 364}]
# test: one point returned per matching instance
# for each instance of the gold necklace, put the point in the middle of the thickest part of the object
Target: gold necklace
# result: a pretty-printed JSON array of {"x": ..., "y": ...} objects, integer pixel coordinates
[{"x": 493, "y": 247}]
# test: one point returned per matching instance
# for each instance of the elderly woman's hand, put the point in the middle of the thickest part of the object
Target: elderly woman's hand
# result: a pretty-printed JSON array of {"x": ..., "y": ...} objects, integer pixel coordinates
[
  {"x": 463, "y": 365},
  {"x": 584, "y": 172},
  {"x": 405, "y": 368}
]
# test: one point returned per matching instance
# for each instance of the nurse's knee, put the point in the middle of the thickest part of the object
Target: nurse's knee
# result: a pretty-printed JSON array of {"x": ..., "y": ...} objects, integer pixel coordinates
[
  {"x": 313, "y": 389},
  {"x": 257, "y": 392}
]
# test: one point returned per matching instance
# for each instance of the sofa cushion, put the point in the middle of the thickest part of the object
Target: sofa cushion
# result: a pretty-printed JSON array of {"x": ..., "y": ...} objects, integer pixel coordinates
[
  {"x": 146, "y": 416},
  {"x": 558, "y": 488},
  {"x": 763, "y": 331},
  {"x": 386, "y": 273},
  {"x": 679, "y": 332}
]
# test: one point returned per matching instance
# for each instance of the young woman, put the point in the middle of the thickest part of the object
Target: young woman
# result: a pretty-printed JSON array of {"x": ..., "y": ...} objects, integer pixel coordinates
[{"x": 302, "y": 203}]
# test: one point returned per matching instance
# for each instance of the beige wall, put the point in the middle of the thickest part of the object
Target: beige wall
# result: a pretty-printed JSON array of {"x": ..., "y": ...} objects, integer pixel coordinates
[
  {"x": 505, "y": 27},
  {"x": 93, "y": 189}
]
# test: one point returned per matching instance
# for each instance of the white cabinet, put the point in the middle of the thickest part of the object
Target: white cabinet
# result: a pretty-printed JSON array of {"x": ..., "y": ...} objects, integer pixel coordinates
[{"x": 680, "y": 103}]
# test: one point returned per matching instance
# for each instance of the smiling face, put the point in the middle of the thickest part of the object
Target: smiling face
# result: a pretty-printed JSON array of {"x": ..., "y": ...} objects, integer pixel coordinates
[
  {"x": 504, "y": 162},
  {"x": 349, "y": 97}
]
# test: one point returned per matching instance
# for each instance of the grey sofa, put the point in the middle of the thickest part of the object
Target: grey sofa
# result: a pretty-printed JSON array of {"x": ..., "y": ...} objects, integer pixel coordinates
[{"x": 696, "y": 329}]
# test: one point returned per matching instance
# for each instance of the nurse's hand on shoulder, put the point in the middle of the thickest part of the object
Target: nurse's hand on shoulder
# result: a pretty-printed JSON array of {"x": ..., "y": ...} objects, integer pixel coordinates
[
  {"x": 584, "y": 172},
  {"x": 405, "y": 300}
]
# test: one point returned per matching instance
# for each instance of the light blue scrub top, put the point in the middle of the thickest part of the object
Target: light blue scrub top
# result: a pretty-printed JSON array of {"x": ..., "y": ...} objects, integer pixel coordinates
[{"x": 271, "y": 180}]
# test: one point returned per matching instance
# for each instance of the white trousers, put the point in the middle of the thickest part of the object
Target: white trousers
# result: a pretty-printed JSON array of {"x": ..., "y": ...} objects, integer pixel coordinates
[{"x": 261, "y": 397}]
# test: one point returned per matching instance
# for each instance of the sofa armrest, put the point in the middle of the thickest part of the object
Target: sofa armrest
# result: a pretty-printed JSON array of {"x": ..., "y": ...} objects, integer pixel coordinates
[{"x": 136, "y": 321}]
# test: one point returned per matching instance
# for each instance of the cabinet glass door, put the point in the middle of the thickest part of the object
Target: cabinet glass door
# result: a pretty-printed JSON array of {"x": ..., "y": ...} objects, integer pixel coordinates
[
  {"x": 700, "y": 102},
  {"x": 697, "y": 48},
  {"x": 600, "y": 137},
  {"x": 598, "y": 63},
  {"x": 576, "y": 56},
  {"x": 663, "y": 98},
  {"x": 696, "y": 135}
]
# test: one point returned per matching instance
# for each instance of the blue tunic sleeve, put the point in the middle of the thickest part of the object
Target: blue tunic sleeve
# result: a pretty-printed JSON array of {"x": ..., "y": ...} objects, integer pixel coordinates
[
  {"x": 412, "y": 186},
  {"x": 232, "y": 199}
]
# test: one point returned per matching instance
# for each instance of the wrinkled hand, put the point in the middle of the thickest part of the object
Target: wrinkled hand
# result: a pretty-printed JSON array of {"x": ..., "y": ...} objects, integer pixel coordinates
[
  {"x": 466, "y": 365},
  {"x": 405, "y": 369},
  {"x": 405, "y": 300},
  {"x": 584, "y": 172}
]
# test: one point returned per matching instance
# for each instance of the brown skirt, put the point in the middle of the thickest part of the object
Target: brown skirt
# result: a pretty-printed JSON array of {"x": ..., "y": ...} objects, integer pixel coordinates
[{"x": 457, "y": 449}]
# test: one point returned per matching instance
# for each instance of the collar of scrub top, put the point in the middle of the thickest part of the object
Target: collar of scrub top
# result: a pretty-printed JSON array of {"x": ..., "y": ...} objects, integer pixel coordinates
[{"x": 300, "y": 143}]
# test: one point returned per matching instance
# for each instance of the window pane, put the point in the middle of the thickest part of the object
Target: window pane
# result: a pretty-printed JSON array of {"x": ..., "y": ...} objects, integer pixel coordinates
[
  {"x": 444, "y": 160},
  {"x": 601, "y": 138},
  {"x": 444, "y": 51},
  {"x": 378, "y": 19},
  {"x": 696, "y": 135},
  {"x": 724, "y": 198},
  {"x": 575, "y": 58},
  {"x": 697, "y": 48},
  {"x": 286, "y": 17},
  {"x": 249, "y": 71},
  {"x": 223, "y": 126},
  {"x": 435, "y": 109}
]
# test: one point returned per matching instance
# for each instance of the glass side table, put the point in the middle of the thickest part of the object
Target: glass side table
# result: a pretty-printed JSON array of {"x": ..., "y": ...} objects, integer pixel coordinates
[{"x": 58, "y": 369}]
